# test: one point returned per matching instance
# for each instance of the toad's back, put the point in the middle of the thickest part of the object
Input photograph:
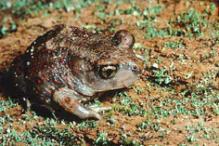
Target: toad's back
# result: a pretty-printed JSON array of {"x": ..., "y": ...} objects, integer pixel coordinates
[
  {"x": 71, "y": 62},
  {"x": 80, "y": 42}
]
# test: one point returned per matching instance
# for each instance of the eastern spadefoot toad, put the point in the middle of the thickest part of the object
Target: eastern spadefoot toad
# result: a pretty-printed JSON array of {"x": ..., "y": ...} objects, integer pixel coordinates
[{"x": 68, "y": 65}]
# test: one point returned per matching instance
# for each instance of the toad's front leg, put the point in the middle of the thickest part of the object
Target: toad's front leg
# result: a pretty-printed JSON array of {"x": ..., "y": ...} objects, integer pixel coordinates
[{"x": 69, "y": 100}]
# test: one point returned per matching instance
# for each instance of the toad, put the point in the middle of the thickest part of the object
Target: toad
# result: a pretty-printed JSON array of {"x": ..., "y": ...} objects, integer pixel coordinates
[{"x": 68, "y": 65}]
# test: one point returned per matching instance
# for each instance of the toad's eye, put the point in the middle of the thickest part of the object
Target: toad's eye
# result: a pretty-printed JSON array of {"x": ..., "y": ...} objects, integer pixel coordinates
[{"x": 107, "y": 71}]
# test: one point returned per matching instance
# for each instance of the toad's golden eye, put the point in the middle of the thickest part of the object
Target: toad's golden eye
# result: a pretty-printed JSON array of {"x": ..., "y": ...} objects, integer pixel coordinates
[{"x": 107, "y": 71}]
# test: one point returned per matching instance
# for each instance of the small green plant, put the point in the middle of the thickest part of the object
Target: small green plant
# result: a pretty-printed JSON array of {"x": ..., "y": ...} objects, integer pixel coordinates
[
  {"x": 100, "y": 12},
  {"x": 191, "y": 138},
  {"x": 149, "y": 126},
  {"x": 211, "y": 9},
  {"x": 126, "y": 141},
  {"x": 150, "y": 13},
  {"x": 134, "y": 10},
  {"x": 87, "y": 124},
  {"x": 199, "y": 130},
  {"x": 7, "y": 25},
  {"x": 159, "y": 112},
  {"x": 139, "y": 90},
  {"x": 101, "y": 139},
  {"x": 216, "y": 108},
  {"x": 5, "y": 4},
  {"x": 191, "y": 22},
  {"x": 161, "y": 76},
  {"x": 92, "y": 27},
  {"x": 174, "y": 44},
  {"x": 60, "y": 136},
  {"x": 153, "y": 32},
  {"x": 128, "y": 106},
  {"x": 6, "y": 104}
]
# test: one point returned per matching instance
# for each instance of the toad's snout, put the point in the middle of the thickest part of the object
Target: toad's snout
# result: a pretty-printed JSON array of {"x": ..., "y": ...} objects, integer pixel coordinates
[
  {"x": 134, "y": 68},
  {"x": 131, "y": 66}
]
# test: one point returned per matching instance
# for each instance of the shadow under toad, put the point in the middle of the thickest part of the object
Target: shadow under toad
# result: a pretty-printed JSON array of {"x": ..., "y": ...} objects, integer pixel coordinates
[{"x": 8, "y": 90}]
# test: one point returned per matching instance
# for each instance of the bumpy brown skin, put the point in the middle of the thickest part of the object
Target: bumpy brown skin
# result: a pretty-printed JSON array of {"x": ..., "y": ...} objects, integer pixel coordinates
[{"x": 61, "y": 67}]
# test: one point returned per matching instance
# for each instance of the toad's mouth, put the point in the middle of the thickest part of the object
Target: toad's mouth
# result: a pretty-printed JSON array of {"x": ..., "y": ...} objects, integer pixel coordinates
[
  {"x": 123, "y": 79},
  {"x": 126, "y": 75}
]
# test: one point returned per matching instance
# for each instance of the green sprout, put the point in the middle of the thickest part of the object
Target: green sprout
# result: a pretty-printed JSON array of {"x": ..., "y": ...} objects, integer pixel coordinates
[
  {"x": 191, "y": 22},
  {"x": 102, "y": 139},
  {"x": 87, "y": 124},
  {"x": 161, "y": 77},
  {"x": 129, "y": 107},
  {"x": 149, "y": 126},
  {"x": 100, "y": 12},
  {"x": 174, "y": 44}
]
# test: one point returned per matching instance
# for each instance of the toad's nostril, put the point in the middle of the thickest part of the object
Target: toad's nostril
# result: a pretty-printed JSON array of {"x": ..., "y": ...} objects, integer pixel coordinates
[{"x": 134, "y": 67}]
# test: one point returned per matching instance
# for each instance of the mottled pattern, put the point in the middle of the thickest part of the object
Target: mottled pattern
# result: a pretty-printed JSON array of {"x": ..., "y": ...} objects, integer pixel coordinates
[
  {"x": 68, "y": 57},
  {"x": 76, "y": 39}
]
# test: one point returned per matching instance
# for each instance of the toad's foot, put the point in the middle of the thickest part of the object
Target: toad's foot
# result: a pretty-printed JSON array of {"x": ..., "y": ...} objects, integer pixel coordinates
[
  {"x": 100, "y": 109},
  {"x": 69, "y": 100}
]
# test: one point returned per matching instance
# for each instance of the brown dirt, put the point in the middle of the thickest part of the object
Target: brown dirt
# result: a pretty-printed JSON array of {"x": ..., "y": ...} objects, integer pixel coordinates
[{"x": 195, "y": 53}]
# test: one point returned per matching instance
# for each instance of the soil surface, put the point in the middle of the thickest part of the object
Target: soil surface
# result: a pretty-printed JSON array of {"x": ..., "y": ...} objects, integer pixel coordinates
[{"x": 176, "y": 99}]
